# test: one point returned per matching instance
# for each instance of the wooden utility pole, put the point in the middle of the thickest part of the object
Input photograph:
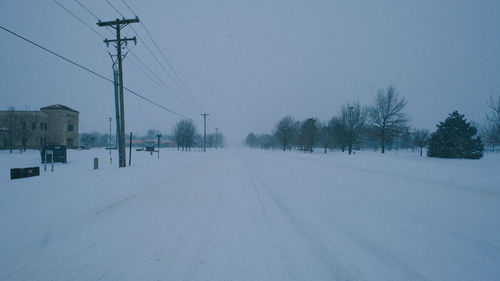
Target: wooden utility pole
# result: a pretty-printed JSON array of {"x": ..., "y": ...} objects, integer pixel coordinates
[
  {"x": 216, "y": 129},
  {"x": 204, "y": 131},
  {"x": 130, "y": 151},
  {"x": 118, "y": 25},
  {"x": 110, "y": 157}
]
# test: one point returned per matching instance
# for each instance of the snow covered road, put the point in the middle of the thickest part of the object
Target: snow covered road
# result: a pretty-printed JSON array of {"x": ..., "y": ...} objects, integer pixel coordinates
[{"x": 253, "y": 215}]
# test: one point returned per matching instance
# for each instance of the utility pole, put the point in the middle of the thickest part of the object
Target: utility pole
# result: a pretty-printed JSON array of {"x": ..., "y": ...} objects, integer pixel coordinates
[
  {"x": 204, "y": 131},
  {"x": 110, "y": 158},
  {"x": 118, "y": 25},
  {"x": 216, "y": 129},
  {"x": 130, "y": 151}
]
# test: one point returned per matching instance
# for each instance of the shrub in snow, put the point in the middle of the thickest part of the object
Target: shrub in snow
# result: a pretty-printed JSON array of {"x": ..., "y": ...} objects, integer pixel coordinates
[{"x": 455, "y": 138}]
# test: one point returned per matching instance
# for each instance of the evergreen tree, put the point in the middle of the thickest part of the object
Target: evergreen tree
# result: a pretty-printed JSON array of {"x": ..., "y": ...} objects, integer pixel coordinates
[{"x": 454, "y": 138}]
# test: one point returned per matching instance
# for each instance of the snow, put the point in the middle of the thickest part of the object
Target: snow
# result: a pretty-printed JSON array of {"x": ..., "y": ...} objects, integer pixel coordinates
[{"x": 241, "y": 214}]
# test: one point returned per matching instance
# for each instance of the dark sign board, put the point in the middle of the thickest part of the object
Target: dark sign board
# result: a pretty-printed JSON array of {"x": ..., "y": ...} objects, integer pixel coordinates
[
  {"x": 18, "y": 173},
  {"x": 59, "y": 153}
]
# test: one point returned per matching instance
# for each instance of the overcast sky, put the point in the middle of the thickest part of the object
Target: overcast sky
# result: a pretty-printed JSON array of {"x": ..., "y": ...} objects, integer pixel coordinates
[{"x": 249, "y": 63}]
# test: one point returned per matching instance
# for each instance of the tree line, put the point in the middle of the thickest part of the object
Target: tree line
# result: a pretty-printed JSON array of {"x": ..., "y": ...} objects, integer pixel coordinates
[
  {"x": 381, "y": 126},
  {"x": 184, "y": 135},
  {"x": 17, "y": 128}
]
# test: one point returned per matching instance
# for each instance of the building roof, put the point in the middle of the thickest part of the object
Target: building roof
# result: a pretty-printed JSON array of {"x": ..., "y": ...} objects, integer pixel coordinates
[{"x": 58, "y": 107}]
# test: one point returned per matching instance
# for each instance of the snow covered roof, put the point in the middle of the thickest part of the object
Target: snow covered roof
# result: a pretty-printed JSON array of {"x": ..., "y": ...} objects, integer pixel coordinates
[{"x": 58, "y": 107}]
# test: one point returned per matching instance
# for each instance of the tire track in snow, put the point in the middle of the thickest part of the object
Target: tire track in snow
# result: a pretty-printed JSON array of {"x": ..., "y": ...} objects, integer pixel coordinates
[
  {"x": 329, "y": 261},
  {"x": 320, "y": 242}
]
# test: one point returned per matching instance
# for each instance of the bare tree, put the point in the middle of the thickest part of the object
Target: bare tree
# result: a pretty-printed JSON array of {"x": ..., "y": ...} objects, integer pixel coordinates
[
  {"x": 184, "y": 133},
  {"x": 386, "y": 115},
  {"x": 309, "y": 134},
  {"x": 12, "y": 128},
  {"x": 338, "y": 133},
  {"x": 285, "y": 131},
  {"x": 421, "y": 138},
  {"x": 28, "y": 120},
  {"x": 490, "y": 132},
  {"x": 152, "y": 134},
  {"x": 353, "y": 119},
  {"x": 325, "y": 135}
]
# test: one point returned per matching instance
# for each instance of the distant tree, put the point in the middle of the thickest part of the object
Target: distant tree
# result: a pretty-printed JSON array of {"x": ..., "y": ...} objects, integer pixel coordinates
[
  {"x": 220, "y": 140},
  {"x": 268, "y": 141},
  {"x": 88, "y": 139},
  {"x": 251, "y": 140},
  {"x": 387, "y": 115},
  {"x": 309, "y": 134},
  {"x": 405, "y": 138},
  {"x": 353, "y": 119},
  {"x": 103, "y": 140},
  {"x": 490, "y": 132},
  {"x": 210, "y": 140},
  {"x": 197, "y": 140},
  {"x": 401, "y": 140},
  {"x": 325, "y": 135},
  {"x": 285, "y": 131},
  {"x": 152, "y": 134},
  {"x": 420, "y": 138},
  {"x": 184, "y": 134},
  {"x": 455, "y": 138},
  {"x": 27, "y": 118},
  {"x": 12, "y": 127},
  {"x": 338, "y": 133},
  {"x": 189, "y": 134}
]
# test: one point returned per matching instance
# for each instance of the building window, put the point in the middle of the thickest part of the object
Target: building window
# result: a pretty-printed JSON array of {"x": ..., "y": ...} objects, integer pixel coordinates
[
  {"x": 41, "y": 126},
  {"x": 70, "y": 127},
  {"x": 33, "y": 126},
  {"x": 24, "y": 125},
  {"x": 45, "y": 125}
]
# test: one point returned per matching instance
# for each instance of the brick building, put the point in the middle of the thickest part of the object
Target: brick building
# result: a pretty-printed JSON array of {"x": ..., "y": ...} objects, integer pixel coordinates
[{"x": 52, "y": 125}]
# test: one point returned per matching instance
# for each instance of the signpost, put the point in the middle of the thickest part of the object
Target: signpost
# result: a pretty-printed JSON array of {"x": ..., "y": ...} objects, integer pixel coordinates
[
  {"x": 158, "y": 136},
  {"x": 47, "y": 153}
]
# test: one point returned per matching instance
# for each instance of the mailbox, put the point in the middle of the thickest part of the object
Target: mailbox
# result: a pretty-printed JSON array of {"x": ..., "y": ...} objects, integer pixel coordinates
[{"x": 150, "y": 146}]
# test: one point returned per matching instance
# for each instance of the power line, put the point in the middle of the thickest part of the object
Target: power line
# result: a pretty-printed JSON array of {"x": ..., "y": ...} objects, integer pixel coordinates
[
  {"x": 79, "y": 19},
  {"x": 170, "y": 66},
  {"x": 148, "y": 72},
  {"x": 177, "y": 81},
  {"x": 154, "y": 56},
  {"x": 116, "y": 10},
  {"x": 175, "y": 78},
  {"x": 125, "y": 3},
  {"x": 164, "y": 87},
  {"x": 91, "y": 71},
  {"x": 85, "y": 8}
]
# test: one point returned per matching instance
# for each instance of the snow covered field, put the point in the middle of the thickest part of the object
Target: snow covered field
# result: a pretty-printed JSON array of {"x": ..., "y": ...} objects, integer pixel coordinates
[{"x": 241, "y": 214}]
